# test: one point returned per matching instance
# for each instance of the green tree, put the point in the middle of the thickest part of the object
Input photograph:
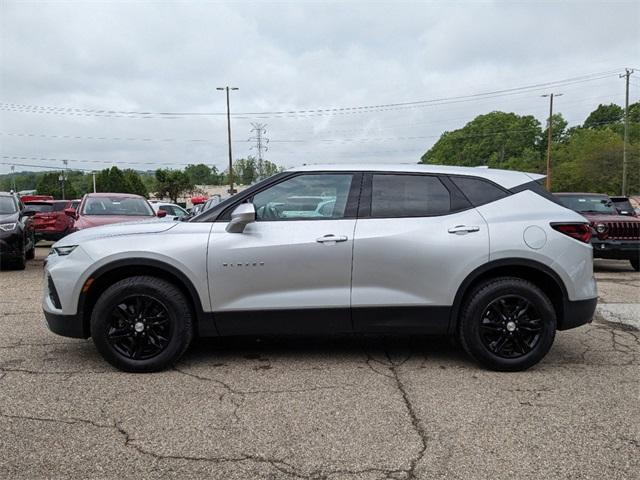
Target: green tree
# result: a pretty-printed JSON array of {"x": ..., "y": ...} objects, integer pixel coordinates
[
  {"x": 202, "y": 174},
  {"x": 591, "y": 160},
  {"x": 492, "y": 139},
  {"x": 172, "y": 183},
  {"x": 604, "y": 115},
  {"x": 135, "y": 183},
  {"x": 111, "y": 180},
  {"x": 50, "y": 184}
]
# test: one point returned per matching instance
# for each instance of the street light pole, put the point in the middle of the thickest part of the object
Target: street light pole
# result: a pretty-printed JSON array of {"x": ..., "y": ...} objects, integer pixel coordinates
[
  {"x": 227, "y": 88},
  {"x": 549, "y": 130},
  {"x": 626, "y": 131}
]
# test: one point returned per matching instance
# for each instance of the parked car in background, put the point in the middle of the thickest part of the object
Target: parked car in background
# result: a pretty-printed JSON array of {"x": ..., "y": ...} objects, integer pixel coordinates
[
  {"x": 98, "y": 209},
  {"x": 17, "y": 236},
  {"x": 615, "y": 236},
  {"x": 52, "y": 219},
  {"x": 624, "y": 207},
  {"x": 487, "y": 256},
  {"x": 172, "y": 210},
  {"x": 34, "y": 198}
]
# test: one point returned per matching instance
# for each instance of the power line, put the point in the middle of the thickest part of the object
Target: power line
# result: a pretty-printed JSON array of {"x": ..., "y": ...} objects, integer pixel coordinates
[{"x": 24, "y": 108}]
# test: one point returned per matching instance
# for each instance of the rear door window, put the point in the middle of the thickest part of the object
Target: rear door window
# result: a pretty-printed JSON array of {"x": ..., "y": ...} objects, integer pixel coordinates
[{"x": 400, "y": 195}]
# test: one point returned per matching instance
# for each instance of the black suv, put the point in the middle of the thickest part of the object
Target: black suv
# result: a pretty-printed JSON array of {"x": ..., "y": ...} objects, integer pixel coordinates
[{"x": 17, "y": 236}]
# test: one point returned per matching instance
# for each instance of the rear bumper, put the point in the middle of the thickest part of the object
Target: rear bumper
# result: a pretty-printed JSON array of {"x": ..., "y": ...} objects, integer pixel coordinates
[
  {"x": 66, "y": 325},
  {"x": 616, "y": 249},
  {"x": 577, "y": 313}
]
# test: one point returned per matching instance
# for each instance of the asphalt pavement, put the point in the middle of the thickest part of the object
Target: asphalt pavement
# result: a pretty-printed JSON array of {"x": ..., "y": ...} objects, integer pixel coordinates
[{"x": 348, "y": 408}]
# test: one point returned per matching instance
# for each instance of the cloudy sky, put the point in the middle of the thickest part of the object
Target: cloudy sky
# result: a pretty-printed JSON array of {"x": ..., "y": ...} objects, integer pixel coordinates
[{"x": 133, "y": 83}]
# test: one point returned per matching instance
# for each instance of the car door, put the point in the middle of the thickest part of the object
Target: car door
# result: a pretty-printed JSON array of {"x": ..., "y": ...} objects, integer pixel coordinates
[
  {"x": 290, "y": 270},
  {"x": 416, "y": 239}
]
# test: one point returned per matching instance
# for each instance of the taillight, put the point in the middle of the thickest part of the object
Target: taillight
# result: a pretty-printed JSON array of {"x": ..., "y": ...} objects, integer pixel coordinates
[{"x": 579, "y": 231}]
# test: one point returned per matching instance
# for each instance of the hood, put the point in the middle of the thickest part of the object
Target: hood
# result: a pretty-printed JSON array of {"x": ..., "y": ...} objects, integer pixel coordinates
[
  {"x": 89, "y": 221},
  {"x": 116, "y": 229},
  {"x": 604, "y": 218},
  {"x": 8, "y": 217}
]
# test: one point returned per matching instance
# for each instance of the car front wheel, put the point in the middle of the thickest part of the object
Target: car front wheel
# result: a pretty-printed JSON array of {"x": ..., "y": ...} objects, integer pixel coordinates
[
  {"x": 507, "y": 324},
  {"x": 142, "y": 324}
]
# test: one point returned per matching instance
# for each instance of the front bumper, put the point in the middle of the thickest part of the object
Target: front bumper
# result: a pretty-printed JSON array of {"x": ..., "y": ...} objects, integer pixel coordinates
[
  {"x": 66, "y": 325},
  {"x": 11, "y": 245},
  {"x": 577, "y": 313},
  {"x": 616, "y": 249}
]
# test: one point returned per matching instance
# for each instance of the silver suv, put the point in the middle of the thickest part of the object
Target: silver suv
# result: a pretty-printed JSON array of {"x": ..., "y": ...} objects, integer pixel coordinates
[{"x": 485, "y": 255}]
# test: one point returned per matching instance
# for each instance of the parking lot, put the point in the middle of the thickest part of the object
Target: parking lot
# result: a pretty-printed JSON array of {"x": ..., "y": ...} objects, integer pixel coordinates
[{"x": 352, "y": 408}]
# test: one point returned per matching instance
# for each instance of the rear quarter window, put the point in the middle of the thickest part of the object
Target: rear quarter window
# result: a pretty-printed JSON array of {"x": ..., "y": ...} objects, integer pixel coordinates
[{"x": 479, "y": 191}]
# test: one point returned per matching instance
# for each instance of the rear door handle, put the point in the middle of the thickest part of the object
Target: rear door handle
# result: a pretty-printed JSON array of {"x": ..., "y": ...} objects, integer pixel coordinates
[
  {"x": 463, "y": 229},
  {"x": 331, "y": 238}
]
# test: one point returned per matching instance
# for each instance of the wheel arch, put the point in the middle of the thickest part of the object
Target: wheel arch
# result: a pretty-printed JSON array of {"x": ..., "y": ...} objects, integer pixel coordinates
[
  {"x": 535, "y": 272},
  {"x": 114, "y": 271}
]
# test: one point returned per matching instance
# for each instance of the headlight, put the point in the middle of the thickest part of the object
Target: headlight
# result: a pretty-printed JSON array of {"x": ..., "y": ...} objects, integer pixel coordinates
[
  {"x": 601, "y": 228},
  {"x": 62, "y": 251},
  {"x": 7, "y": 227}
]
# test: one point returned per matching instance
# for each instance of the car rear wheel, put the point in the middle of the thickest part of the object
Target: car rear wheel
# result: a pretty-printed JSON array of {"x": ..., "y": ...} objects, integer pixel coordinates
[
  {"x": 507, "y": 324},
  {"x": 142, "y": 324},
  {"x": 635, "y": 263}
]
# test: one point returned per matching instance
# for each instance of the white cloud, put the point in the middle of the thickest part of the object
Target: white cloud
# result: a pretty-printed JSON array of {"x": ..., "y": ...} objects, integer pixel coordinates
[{"x": 157, "y": 56}]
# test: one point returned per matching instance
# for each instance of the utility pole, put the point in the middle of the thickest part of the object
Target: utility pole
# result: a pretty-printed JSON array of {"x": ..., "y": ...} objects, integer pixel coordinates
[
  {"x": 626, "y": 130},
  {"x": 13, "y": 178},
  {"x": 63, "y": 176},
  {"x": 549, "y": 129},
  {"x": 94, "y": 181},
  {"x": 227, "y": 88}
]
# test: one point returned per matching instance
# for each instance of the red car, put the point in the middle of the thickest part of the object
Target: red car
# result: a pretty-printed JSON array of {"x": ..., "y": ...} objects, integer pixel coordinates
[
  {"x": 98, "y": 209},
  {"x": 615, "y": 236},
  {"x": 53, "y": 219}
]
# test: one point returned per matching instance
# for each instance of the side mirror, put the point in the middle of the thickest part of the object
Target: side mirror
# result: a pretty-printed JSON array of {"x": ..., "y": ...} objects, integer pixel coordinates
[
  {"x": 161, "y": 213},
  {"x": 243, "y": 214},
  {"x": 70, "y": 212}
]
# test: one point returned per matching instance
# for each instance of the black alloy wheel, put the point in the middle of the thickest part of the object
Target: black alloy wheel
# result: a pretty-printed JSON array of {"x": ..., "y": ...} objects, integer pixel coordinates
[
  {"x": 139, "y": 327},
  {"x": 142, "y": 324},
  {"x": 507, "y": 324},
  {"x": 510, "y": 326}
]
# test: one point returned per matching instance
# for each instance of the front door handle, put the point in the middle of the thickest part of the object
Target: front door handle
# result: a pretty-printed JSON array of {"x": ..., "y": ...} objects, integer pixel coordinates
[
  {"x": 331, "y": 238},
  {"x": 463, "y": 229}
]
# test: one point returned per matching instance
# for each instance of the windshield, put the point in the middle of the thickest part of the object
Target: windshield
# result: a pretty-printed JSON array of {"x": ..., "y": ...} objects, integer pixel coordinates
[
  {"x": 7, "y": 205},
  {"x": 588, "y": 204},
  {"x": 125, "y": 206}
]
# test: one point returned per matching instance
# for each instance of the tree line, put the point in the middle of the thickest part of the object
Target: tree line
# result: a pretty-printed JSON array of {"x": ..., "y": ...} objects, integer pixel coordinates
[
  {"x": 586, "y": 157},
  {"x": 164, "y": 182}
]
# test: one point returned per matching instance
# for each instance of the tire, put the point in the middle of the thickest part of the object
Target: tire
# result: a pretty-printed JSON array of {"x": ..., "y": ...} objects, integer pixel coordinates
[
  {"x": 31, "y": 253},
  {"x": 635, "y": 263},
  {"x": 496, "y": 329},
  {"x": 128, "y": 331}
]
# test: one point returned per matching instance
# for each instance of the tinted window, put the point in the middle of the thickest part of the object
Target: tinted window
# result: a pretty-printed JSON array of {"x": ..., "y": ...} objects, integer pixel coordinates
[
  {"x": 539, "y": 188},
  {"x": 59, "y": 206},
  {"x": 39, "y": 207},
  {"x": 479, "y": 191},
  {"x": 304, "y": 197},
  {"x": 408, "y": 196}
]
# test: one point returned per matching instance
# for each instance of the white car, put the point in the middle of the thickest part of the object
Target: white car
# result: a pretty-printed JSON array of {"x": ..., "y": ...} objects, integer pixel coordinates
[
  {"x": 486, "y": 255},
  {"x": 173, "y": 211}
]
